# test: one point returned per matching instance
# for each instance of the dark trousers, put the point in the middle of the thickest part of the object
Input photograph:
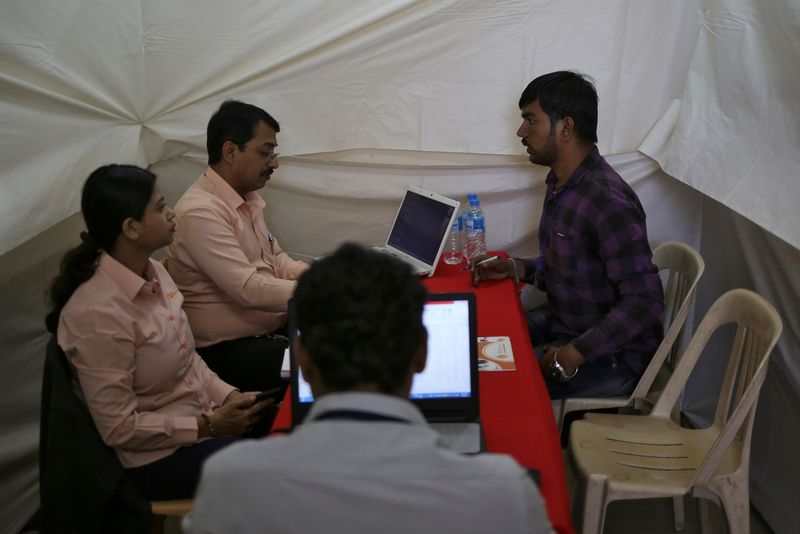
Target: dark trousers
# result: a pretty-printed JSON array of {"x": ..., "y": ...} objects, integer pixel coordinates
[
  {"x": 250, "y": 364},
  {"x": 247, "y": 363},
  {"x": 176, "y": 476},
  {"x": 605, "y": 376}
]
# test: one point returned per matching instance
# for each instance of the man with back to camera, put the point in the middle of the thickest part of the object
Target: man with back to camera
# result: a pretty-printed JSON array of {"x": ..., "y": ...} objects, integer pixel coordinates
[
  {"x": 364, "y": 460},
  {"x": 601, "y": 324},
  {"x": 235, "y": 278}
]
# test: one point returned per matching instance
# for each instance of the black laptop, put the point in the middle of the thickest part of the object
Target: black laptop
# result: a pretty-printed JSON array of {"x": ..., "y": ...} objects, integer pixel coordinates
[{"x": 446, "y": 392}]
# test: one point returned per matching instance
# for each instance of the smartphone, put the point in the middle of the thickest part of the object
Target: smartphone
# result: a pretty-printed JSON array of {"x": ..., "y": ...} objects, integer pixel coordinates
[{"x": 268, "y": 394}]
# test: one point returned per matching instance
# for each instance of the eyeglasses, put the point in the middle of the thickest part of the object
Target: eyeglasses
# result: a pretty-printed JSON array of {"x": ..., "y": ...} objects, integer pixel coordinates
[{"x": 268, "y": 156}]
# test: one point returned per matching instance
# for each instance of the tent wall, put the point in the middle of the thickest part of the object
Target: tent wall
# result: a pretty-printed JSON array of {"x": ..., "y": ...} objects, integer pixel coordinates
[
  {"x": 86, "y": 83},
  {"x": 735, "y": 133},
  {"x": 25, "y": 274},
  {"x": 740, "y": 254},
  {"x": 708, "y": 88}
]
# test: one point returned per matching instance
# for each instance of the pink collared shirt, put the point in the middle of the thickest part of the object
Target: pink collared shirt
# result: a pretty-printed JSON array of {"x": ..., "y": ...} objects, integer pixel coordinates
[
  {"x": 235, "y": 278},
  {"x": 133, "y": 353}
]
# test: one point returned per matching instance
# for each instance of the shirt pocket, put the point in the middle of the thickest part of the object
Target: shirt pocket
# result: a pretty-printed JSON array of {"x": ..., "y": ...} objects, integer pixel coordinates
[
  {"x": 161, "y": 361},
  {"x": 573, "y": 257},
  {"x": 565, "y": 251}
]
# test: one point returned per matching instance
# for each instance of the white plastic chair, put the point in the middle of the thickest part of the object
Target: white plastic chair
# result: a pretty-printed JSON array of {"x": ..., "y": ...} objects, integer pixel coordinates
[
  {"x": 685, "y": 266},
  {"x": 642, "y": 457}
]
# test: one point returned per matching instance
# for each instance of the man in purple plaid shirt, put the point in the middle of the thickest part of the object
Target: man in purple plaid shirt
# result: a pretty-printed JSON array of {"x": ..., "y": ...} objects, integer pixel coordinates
[{"x": 601, "y": 324}]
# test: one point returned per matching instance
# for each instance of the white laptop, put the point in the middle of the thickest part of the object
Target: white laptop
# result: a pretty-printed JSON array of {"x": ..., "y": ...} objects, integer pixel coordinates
[{"x": 420, "y": 229}]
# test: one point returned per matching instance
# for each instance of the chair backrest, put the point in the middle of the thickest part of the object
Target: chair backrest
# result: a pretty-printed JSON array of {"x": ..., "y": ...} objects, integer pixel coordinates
[
  {"x": 684, "y": 266},
  {"x": 758, "y": 327},
  {"x": 81, "y": 483}
]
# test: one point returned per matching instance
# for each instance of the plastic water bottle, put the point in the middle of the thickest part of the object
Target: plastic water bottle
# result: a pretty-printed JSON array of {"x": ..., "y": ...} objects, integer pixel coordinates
[
  {"x": 475, "y": 229},
  {"x": 453, "y": 249}
]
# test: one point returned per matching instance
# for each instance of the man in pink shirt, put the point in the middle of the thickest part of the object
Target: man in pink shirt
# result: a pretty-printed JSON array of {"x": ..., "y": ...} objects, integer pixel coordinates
[{"x": 235, "y": 278}]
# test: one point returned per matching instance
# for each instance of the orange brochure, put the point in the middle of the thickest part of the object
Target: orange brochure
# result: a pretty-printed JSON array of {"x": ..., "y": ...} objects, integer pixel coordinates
[{"x": 495, "y": 354}]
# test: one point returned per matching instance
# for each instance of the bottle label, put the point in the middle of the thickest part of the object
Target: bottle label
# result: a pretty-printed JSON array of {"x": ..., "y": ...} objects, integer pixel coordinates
[{"x": 478, "y": 224}]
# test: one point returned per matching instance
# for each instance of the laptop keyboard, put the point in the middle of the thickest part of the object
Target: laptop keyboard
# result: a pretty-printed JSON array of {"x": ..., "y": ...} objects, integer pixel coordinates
[{"x": 460, "y": 437}]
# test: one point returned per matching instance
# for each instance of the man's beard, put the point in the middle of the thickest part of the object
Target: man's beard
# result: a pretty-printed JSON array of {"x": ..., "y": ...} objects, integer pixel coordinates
[{"x": 550, "y": 152}]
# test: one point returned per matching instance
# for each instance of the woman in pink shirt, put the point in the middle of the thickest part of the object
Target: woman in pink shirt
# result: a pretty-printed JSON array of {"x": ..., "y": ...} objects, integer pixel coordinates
[{"x": 118, "y": 318}]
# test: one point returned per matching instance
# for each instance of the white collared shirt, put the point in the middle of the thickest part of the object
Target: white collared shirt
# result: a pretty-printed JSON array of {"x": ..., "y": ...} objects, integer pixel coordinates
[{"x": 355, "y": 476}]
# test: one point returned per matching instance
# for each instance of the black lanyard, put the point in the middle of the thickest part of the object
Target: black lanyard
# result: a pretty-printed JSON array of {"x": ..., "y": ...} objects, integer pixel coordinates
[
  {"x": 357, "y": 415},
  {"x": 348, "y": 415},
  {"x": 544, "y": 229},
  {"x": 550, "y": 220}
]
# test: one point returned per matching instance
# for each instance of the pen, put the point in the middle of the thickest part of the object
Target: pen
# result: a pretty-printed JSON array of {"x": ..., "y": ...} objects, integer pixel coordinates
[{"x": 490, "y": 259}]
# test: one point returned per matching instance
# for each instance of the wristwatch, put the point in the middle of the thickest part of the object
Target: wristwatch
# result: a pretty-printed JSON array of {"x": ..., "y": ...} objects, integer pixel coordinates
[{"x": 558, "y": 373}]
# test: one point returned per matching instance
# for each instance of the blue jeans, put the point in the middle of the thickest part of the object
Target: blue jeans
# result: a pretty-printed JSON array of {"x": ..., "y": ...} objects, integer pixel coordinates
[{"x": 604, "y": 376}]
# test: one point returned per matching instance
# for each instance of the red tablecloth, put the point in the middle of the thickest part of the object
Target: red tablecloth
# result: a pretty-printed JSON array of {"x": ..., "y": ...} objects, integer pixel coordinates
[{"x": 515, "y": 407}]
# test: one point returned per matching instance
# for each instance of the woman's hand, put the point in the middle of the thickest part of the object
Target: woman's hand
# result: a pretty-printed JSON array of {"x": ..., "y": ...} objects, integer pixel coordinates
[
  {"x": 236, "y": 394},
  {"x": 236, "y": 416}
]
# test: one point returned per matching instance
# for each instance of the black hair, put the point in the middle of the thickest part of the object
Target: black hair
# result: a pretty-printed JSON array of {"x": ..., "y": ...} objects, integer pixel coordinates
[
  {"x": 359, "y": 313},
  {"x": 110, "y": 195},
  {"x": 234, "y": 121},
  {"x": 566, "y": 94}
]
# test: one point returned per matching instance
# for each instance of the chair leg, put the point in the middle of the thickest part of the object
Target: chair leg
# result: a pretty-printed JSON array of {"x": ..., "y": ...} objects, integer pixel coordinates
[
  {"x": 558, "y": 411},
  {"x": 678, "y": 513},
  {"x": 594, "y": 505},
  {"x": 709, "y": 516},
  {"x": 735, "y": 502}
]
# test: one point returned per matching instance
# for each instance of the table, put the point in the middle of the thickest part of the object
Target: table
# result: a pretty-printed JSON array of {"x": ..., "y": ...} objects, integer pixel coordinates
[{"x": 515, "y": 407}]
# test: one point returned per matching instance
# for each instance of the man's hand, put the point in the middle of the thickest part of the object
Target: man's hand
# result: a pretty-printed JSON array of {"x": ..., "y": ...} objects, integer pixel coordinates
[
  {"x": 568, "y": 357},
  {"x": 494, "y": 270}
]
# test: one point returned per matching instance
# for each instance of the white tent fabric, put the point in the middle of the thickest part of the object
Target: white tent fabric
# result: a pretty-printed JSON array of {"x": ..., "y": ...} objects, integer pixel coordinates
[
  {"x": 86, "y": 84},
  {"x": 735, "y": 133},
  {"x": 373, "y": 95},
  {"x": 740, "y": 254}
]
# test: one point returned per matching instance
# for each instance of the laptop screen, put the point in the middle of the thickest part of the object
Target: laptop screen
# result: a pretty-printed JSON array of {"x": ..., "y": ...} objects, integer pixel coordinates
[
  {"x": 447, "y": 371},
  {"x": 420, "y": 226},
  {"x": 449, "y": 382}
]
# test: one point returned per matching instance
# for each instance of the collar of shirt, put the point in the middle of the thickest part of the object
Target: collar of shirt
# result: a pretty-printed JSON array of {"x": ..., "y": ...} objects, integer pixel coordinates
[
  {"x": 376, "y": 403},
  {"x": 588, "y": 162},
  {"x": 131, "y": 283},
  {"x": 229, "y": 195}
]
